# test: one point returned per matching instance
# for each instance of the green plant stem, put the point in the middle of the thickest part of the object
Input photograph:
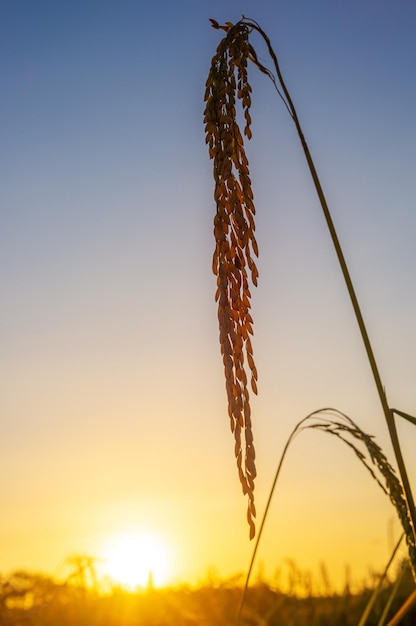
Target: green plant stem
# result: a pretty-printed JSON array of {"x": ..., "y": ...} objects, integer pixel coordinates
[{"x": 391, "y": 425}]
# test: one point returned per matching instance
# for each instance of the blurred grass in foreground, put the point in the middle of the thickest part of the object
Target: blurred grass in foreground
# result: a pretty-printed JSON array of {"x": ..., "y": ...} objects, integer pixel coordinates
[{"x": 40, "y": 600}]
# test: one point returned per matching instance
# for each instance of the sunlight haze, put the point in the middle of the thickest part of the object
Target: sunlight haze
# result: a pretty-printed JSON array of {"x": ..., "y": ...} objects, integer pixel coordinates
[{"x": 113, "y": 405}]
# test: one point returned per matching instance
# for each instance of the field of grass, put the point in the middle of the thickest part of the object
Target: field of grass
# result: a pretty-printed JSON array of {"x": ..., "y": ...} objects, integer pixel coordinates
[{"x": 39, "y": 600}]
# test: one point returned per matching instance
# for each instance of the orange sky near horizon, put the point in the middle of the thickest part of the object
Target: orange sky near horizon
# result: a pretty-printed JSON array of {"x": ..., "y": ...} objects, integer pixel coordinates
[{"x": 113, "y": 407}]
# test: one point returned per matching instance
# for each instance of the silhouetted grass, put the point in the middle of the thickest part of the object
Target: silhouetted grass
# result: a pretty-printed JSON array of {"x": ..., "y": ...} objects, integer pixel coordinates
[{"x": 39, "y": 600}]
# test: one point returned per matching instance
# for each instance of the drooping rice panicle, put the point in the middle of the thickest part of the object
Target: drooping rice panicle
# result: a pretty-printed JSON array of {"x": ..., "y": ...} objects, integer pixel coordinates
[
  {"x": 376, "y": 462},
  {"x": 235, "y": 243}
]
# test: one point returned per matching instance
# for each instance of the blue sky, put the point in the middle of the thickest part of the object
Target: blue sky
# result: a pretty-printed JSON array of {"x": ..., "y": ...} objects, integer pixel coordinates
[{"x": 114, "y": 410}]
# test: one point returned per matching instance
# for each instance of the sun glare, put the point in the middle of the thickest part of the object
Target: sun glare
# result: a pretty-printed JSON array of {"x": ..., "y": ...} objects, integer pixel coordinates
[{"x": 137, "y": 560}]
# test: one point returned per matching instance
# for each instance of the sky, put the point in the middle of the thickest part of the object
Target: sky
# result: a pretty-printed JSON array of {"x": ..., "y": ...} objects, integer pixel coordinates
[{"x": 113, "y": 407}]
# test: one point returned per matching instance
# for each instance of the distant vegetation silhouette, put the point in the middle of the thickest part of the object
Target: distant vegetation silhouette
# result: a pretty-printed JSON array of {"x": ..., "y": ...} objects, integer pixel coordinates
[{"x": 38, "y": 600}]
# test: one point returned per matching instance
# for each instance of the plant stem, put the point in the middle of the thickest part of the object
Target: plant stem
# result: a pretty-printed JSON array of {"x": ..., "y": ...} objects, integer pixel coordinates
[
  {"x": 373, "y": 598},
  {"x": 370, "y": 354},
  {"x": 404, "y": 609},
  {"x": 263, "y": 521},
  {"x": 391, "y": 425}
]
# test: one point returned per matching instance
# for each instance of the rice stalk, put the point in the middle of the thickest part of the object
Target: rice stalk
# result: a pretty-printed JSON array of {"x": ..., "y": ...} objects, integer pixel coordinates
[
  {"x": 235, "y": 243},
  {"x": 338, "y": 424}
]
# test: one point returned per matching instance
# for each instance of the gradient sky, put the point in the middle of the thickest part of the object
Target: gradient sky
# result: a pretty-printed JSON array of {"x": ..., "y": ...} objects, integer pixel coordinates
[{"x": 113, "y": 408}]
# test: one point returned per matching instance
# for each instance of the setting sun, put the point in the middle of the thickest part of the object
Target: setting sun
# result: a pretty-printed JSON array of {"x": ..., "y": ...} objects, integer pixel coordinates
[{"x": 137, "y": 560}]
